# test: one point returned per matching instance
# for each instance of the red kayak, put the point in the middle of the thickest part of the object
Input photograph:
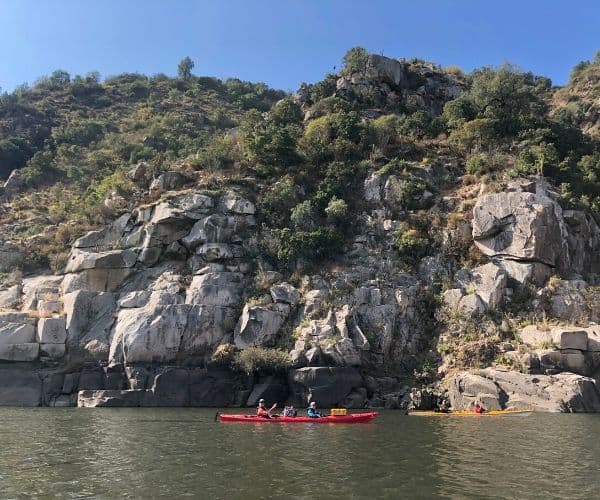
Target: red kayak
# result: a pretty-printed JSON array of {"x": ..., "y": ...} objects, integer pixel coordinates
[{"x": 342, "y": 419}]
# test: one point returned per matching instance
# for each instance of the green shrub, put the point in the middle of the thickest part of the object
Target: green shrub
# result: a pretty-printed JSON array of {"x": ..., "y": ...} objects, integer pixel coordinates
[
  {"x": 336, "y": 210},
  {"x": 481, "y": 163},
  {"x": 322, "y": 243},
  {"x": 303, "y": 216},
  {"x": 355, "y": 60},
  {"x": 261, "y": 360},
  {"x": 275, "y": 203},
  {"x": 412, "y": 246}
]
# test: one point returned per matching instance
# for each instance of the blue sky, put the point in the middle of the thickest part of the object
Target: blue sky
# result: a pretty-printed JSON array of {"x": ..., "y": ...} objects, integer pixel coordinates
[{"x": 285, "y": 42}]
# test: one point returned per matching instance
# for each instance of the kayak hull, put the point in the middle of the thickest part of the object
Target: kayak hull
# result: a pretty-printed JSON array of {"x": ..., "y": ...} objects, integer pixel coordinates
[
  {"x": 466, "y": 413},
  {"x": 354, "y": 418}
]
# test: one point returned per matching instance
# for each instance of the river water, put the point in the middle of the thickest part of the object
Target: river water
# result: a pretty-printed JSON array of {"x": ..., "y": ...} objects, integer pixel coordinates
[{"x": 173, "y": 453}]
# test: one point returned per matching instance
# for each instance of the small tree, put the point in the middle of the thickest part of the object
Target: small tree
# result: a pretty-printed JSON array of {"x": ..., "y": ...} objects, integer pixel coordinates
[
  {"x": 184, "y": 68},
  {"x": 355, "y": 60}
]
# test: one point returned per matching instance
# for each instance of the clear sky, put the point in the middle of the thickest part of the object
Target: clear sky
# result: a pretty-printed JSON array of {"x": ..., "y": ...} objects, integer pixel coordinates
[{"x": 284, "y": 42}]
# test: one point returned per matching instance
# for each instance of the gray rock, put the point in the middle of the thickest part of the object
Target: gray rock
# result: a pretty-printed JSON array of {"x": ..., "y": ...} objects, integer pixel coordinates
[
  {"x": 52, "y": 331},
  {"x": 49, "y": 307},
  {"x": 487, "y": 281},
  {"x": 113, "y": 399},
  {"x": 384, "y": 69},
  {"x": 272, "y": 389},
  {"x": 114, "y": 259},
  {"x": 535, "y": 337},
  {"x": 328, "y": 387},
  {"x": 150, "y": 334},
  {"x": 16, "y": 333},
  {"x": 89, "y": 316},
  {"x": 10, "y": 298},
  {"x": 521, "y": 226},
  {"x": 171, "y": 387},
  {"x": 216, "y": 251},
  {"x": 104, "y": 239},
  {"x": 257, "y": 325},
  {"x": 471, "y": 305},
  {"x": 19, "y": 352},
  {"x": 20, "y": 388},
  {"x": 139, "y": 174},
  {"x": 215, "y": 388},
  {"x": 53, "y": 351},
  {"x": 236, "y": 204},
  {"x": 37, "y": 288},
  {"x": 373, "y": 187},
  {"x": 134, "y": 299},
  {"x": 569, "y": 338},
  {"x": 554, "y": 393},
  {"x": 566, "y": 300},
  {"x": 285, "y": 293},
  {"x": 215, "y": 288},
  {"x": 524, "y": 273},
  {"x": 166, "y": 182}
]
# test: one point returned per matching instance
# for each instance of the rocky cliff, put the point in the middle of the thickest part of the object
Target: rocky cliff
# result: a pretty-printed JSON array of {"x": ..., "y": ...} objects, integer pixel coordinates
[{"x": 441, "y": 284}]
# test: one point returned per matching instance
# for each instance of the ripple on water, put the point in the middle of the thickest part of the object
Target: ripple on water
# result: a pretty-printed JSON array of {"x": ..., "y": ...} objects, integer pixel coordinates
[{"x": 167, "y": 453}]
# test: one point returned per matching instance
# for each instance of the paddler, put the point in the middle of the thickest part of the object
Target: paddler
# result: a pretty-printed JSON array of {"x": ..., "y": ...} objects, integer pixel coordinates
[
  {"x": 477, "y": 408},
  {"x": 312, "y": 410},
  {"x": 261, "y": 411}
]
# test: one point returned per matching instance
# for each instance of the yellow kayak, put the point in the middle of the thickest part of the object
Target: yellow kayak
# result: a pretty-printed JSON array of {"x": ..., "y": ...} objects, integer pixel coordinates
[{"x": 468, "y": 413}]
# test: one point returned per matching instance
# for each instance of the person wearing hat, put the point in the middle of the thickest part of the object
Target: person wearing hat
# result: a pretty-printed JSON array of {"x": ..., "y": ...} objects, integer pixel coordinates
[
  {"x": 261, "y": 411},
  {"x": 312, "y": 410}
]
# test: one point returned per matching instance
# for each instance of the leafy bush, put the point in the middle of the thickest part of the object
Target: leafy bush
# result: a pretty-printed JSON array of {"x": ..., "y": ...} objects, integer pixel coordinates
[
  {"x": 355, "y": 60},
  {"x": 334, "y": 136},
  {"x": 277, "y": 202},
  {"x": 411, "y": 245},
  {"x": 322, "y": 243},
  {"x": 481, "y": 163},
  {"x": 261, "y": 360},
  {"x": 303, "y": 216},
  {"x": 336, "y": 210}
]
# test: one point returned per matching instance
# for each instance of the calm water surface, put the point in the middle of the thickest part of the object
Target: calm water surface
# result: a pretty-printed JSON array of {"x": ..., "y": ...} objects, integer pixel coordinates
[{"x": 173, "y": 453}]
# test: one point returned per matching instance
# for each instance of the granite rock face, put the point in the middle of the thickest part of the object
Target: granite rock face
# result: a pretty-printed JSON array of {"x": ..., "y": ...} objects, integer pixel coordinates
[{"x": 565, "y": 392}]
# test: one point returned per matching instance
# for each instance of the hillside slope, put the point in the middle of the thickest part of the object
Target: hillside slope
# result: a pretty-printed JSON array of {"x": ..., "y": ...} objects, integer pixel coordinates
[{"x": 361, "y": 242}]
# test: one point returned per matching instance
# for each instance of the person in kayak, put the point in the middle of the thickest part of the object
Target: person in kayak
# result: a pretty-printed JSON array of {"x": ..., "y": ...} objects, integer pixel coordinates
[
  {"x": 477, "y": 408},
  {"x": 262, "y": 411},
  {"x": 289, "y": 411},
  {"x": 312, "y": 410}
]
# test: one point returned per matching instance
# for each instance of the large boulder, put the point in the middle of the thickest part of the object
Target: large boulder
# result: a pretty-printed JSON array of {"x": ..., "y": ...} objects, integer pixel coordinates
[
  {"x": 565, "y": 392},
  {"x": 104, "y": 239},
  {"x": 326, "y": 386},
  {"x": 488, "y": 282},
  {"x": 521, "y": 225},
  {"x": 52, "y": 331},
  {"x": 112, "y": 259},
  {"x": 16, "y": 328},
  {"x": 89, "y": 318},
  {"x": 386, "y": 70},
  {"x": 258, "y": 324},
  {"x": 215, "y": 288},
  {"x": 149, "y": 334}
]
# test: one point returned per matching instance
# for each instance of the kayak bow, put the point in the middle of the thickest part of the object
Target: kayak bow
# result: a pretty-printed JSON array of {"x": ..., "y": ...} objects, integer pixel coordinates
[{"x": 354, "y": 418}]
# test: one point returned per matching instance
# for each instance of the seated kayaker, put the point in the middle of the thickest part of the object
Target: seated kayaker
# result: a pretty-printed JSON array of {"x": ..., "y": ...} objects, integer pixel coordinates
[
  {"x": 477, "y": 408},
  {"x": 289, "y": 411},
  {"x": 262, "y": 411},
  {"x": 312, "y": 410}
]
